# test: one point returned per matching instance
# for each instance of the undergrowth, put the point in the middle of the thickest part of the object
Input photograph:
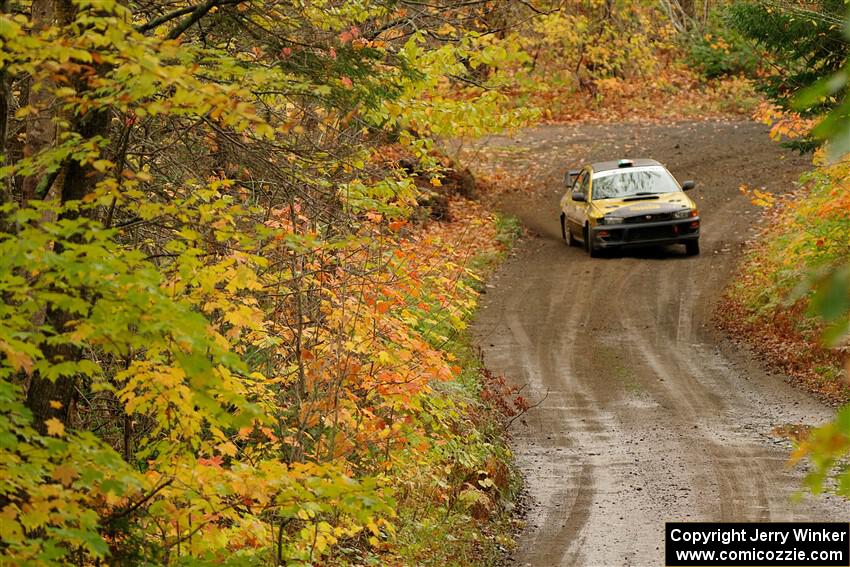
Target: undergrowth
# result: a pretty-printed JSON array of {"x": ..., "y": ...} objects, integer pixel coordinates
[
  {"x": 769, "y": 302},
  {"x": 455, "y": 507}
]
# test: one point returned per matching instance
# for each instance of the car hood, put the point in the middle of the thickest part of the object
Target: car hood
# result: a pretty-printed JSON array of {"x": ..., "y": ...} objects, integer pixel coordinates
[{"x": 665, "y": 203}]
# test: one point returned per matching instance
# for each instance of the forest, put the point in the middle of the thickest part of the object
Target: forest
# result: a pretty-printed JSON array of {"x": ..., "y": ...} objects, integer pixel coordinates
[{"x": 239, "y": 257}]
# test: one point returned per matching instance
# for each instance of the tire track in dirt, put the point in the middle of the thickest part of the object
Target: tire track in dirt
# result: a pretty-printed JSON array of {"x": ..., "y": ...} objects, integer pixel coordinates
[
  {"x": 575, "y": 497},
  {"x": 693, "y": 404},
  {"x": 650, "y": 416}
]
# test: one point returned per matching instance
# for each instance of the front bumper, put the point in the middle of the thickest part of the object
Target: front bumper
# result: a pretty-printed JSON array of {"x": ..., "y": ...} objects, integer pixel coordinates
[{"x": 645, "y": 234}]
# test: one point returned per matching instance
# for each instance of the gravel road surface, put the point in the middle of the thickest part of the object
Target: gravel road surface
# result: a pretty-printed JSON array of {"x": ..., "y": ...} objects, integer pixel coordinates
[{"x": 650, "y": 414}]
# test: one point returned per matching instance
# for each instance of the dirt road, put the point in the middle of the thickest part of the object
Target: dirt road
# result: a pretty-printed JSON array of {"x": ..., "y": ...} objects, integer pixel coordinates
[{"x": 651, "y": 416}]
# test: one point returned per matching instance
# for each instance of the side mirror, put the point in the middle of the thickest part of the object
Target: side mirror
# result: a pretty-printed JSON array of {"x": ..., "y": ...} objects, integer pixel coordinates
[
  {"x": 570, "y": 177},
  {"x": 579, "y": 197},
  {"x": 688, "y": 185}
]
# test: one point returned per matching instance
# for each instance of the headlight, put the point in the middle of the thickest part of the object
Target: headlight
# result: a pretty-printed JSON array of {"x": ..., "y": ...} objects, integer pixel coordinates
[
  {"x": 611, "y": 220},
  {"x": 686, "y": 214}
]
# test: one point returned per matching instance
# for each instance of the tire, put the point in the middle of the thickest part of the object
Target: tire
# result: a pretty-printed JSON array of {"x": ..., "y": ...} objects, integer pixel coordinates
[
  {"x": 570, "y": 240},
  {"x": 589, "y": 246},
  {"x": 692, "y": 248},
  {"x": 567, "y": 233}
]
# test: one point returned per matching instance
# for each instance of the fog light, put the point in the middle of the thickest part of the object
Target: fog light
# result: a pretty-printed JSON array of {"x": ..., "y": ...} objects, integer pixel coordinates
[
  {"x": 611, "y": 220},
  {"x": 604, "y": 233},
  {"x": 695, "y": 224}
]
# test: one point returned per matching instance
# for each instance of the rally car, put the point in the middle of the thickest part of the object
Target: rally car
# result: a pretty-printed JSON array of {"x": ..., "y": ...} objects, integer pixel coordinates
[{"x": 628, "y": 203}]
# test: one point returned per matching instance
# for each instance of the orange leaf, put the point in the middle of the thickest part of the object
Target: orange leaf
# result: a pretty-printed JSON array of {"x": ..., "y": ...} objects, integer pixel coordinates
[
  {"x": 212, "y": 462},
  {"x": 65, "y": 474}
]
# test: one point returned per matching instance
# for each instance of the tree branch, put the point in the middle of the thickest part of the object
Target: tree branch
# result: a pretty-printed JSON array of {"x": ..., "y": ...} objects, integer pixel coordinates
[
  {"x": 156, "y": 22},
  {"x": 195, "y": 12},
  {"x": 525, "y": 411}
]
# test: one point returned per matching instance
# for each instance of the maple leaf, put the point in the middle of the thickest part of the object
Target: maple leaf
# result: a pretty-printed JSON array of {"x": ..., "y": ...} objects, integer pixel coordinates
[
  {"x": 228, "y": 449},
  {"x": 349, "y": 35},
  {"x": 211, "y": 462},
  {"x": 65, "y": 474},
  {"x": 55, "y": 427},
  {"x": 19, "y": 360}
]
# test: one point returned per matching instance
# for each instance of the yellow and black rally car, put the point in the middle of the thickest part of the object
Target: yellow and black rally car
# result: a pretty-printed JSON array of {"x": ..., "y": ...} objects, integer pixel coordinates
[{"x": 628, "y": 203}]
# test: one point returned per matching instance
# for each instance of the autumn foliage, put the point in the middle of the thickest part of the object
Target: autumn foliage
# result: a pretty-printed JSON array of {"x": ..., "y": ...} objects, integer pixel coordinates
[
  {"x": 774, "y": 300},
  {"x": 623, "y": 61},
  {"x": 232, "y": 331},
  {"x": 227, "y": 334},
  {"x": 790, "y": 300}
]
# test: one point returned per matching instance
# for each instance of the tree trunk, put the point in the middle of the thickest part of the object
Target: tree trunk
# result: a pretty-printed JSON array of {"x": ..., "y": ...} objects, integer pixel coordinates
[
  {"x": 40, "y": 125},
  {"x": 73, "y": 183},
  {"x": 5, "y": 103}
]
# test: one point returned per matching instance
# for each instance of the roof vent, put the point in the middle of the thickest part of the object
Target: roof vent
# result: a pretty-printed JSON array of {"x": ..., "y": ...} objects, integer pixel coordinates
[{"x": 625, "y": 163}]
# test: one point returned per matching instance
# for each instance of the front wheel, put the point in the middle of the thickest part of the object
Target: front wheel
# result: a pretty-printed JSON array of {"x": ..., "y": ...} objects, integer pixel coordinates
[
  {"x": 590, "y": 246},
  {"x": 692, "y": 248},
  {"x": 568, "y": 234}
]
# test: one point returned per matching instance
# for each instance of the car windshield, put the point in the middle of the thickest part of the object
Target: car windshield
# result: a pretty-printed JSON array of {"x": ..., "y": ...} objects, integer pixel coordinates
[{"x": 631, "y": 182}]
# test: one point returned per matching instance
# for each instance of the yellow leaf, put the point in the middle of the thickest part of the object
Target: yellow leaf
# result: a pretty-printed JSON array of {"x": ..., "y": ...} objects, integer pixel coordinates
[
  {"x": 19, "y": 360},
  {"x": 102, "y": 165},
  {"x": 228, "y": 449},
  {"x": 25, "y": 111},
  {"x": 113, "y": 499},
  {"x": 10, "y": 529},
  {"x": 55, "y": 427},
  {"x": 55, "y": 404}
]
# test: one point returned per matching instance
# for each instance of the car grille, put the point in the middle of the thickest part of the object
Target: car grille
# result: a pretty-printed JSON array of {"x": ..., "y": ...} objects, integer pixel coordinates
[
  {"x": 648, "y": 218},
  {"x": 650, "y": 233}
]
